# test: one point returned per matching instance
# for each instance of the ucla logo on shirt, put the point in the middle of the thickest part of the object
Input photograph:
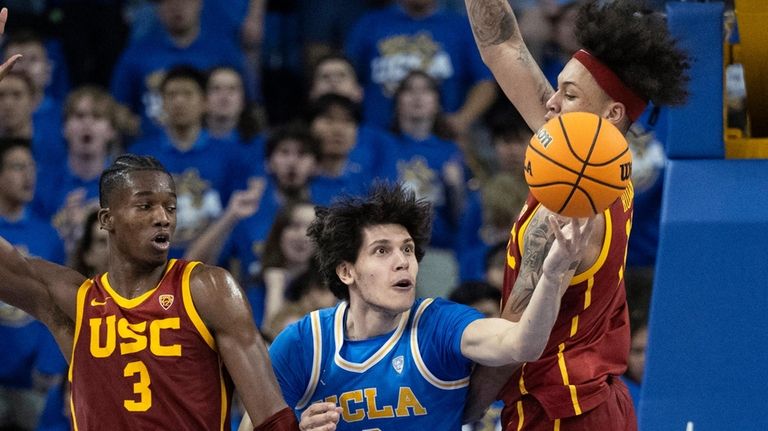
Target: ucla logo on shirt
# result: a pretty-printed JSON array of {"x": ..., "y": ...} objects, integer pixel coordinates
[
  {"x": 402, "y": 53},
  {"x": 398, "y": 363}
]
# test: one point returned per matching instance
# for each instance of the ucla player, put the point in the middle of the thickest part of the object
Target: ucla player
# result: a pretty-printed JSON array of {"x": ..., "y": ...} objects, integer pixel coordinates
[
  {"x": 383, "y": 359},
  {"x": 155, "y": 344}
]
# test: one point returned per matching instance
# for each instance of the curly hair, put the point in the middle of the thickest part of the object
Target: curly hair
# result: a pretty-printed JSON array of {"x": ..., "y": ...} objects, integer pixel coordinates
[
  {"x": 337, "y": 231},
  {"x": 634, "y": 42}
]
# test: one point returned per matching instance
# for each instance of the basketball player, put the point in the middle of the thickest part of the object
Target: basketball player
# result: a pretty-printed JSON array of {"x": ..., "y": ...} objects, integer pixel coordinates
[
  {"x": 154, "y": 344},
  {"x": 628, "y": 59},
  {"x": 385, "y": 358}
]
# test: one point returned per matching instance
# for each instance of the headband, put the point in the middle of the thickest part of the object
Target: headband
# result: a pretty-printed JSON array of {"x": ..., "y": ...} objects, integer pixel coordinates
[{"x": 612, "y": 84}]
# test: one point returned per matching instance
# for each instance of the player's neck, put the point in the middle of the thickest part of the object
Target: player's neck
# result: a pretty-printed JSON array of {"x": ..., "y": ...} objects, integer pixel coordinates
[
  {"x": 130, "y": 279},
  {"x": 366, "y": 321}
]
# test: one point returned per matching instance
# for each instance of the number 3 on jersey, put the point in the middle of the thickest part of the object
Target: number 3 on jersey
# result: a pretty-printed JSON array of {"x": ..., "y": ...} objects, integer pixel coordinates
[{"x": 140, "y": 387}]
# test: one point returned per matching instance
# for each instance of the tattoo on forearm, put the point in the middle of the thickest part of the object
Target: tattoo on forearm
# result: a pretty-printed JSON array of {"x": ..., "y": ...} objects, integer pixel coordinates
[
  {"x": 492, "y": 21},
  {"x": 545, "y": 90},
  {"x": 538, "y": 241}
]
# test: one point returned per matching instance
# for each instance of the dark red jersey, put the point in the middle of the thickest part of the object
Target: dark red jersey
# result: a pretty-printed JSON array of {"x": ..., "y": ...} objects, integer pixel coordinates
[
  {"x": 146, "y": 363},
  {"x": 590, "y": 339}
]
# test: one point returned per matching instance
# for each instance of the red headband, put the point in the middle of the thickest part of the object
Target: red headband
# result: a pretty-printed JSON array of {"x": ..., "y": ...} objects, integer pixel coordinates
[{"x": 612, "y": 84}]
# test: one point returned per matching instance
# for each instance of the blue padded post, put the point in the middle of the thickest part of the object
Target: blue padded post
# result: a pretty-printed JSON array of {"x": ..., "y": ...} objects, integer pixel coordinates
[
  {"x": 707, "y": 355},
  {"x": 696, "y": 129}
]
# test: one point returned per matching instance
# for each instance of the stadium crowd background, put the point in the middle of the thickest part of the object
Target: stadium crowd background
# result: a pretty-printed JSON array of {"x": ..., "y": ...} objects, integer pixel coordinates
[{"x": 261, "y": 109}]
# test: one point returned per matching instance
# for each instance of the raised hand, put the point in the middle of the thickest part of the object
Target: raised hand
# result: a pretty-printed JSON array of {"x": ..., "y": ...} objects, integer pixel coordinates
[
  {"x": 320, "y": 417},
  {"x": 8, "y": 65},
  {"x": 571, "y": 239}
]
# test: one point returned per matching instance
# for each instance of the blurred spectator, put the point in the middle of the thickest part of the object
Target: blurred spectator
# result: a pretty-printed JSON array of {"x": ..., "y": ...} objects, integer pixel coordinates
[
  {"x": 28, "y": 347},
  {"x": 495, "y": 261},
  {"x": 240, "y": 233},
  {"x": 416, "y": 35},
  {"x": 309, "y": 292},
  {"x": 182, "y": 40},
  {"x": 347, "y": 164},
  {"x": 287, "y": 254},
  {"x": 230, "y": 116},
  {"x": 334, "y": 73},
  {"x": 17, "y": 106},
  {"x": 205, "y": 170},
  {"x": 427, "y": 163},
  {"x": 479, "y": 295},
  {"x": 68, "y": 191}
]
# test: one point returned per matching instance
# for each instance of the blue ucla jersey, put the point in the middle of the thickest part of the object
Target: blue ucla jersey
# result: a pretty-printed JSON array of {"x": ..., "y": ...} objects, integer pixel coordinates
[{"x": 413, "y": 377}]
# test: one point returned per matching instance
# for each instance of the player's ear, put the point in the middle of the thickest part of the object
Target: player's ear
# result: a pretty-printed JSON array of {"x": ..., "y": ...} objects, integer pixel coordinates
[
  {"x": 616, "y": 113},
  {"x": 344, "y": 272},
  {"x": 105, "y": 219}
]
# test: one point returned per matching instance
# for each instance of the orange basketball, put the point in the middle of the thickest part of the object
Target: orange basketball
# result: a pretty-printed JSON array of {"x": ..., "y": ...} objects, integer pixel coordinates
[{"x": 578, "y": 164}]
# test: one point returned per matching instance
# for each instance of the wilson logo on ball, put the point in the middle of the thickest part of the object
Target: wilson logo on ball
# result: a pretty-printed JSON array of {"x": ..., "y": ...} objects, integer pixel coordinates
[{"x": 581, "y": 162}]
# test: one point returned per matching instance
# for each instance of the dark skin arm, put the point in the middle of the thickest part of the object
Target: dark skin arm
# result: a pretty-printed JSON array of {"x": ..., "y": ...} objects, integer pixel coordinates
[
  {"x": 43, "y": 289},
  {"x": 223, "y": 306}
]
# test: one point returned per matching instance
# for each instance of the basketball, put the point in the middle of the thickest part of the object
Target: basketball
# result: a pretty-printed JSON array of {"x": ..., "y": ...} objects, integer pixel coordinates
[{"x": 578, "y": 164}]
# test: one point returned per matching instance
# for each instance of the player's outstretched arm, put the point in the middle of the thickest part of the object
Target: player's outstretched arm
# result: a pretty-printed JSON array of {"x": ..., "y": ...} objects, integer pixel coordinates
[
  {"x": 496, "y": 342},
  {"x": 224, "y": 308},
  {"x": 503, "y": 50},
  {"x": 8, "y": 65},
  {"x": 41, "y": 288}
]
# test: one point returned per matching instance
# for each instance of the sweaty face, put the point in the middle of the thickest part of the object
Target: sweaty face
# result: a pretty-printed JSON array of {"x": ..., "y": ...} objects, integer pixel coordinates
[
  {"x": 384, "y": 275},
  {"x": 418, "y": 100},
  {"x": 577, "y": 92},
  {"x": 336, "y": 77},
  {"x": 17, "y": 176},
  {"x": 88, "y": 129},
  {"x": 337, "y": 131},
  {"x": 15, "y": 103},
  {"x": 296, "y": 245},
  {"x": 224, "y": 95},
  {"x": 183, "y": 102},
  {"x": 291, "y": 165},
  {"x": 141, "y": 217}
]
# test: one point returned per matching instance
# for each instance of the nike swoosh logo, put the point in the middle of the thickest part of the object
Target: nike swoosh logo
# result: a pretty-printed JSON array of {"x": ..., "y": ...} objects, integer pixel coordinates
[{"x": 94, "y": 302}]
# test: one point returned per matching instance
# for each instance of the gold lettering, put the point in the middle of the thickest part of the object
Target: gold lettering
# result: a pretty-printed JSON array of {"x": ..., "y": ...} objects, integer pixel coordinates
[
  {"x": 97, "y": 350},
  {"x": 373, "y": 411},
  {"x": 346, "y": 410},
  {"x": 133, "y": 332},
  {"x": 407, "y": 400},
  {"x": 154, "y": 337}
]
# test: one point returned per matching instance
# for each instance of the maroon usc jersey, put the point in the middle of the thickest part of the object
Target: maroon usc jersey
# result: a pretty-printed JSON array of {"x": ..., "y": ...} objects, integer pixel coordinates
[
  {"x": 146, "y": 363},
  {"x": 590, "y": 338}
]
